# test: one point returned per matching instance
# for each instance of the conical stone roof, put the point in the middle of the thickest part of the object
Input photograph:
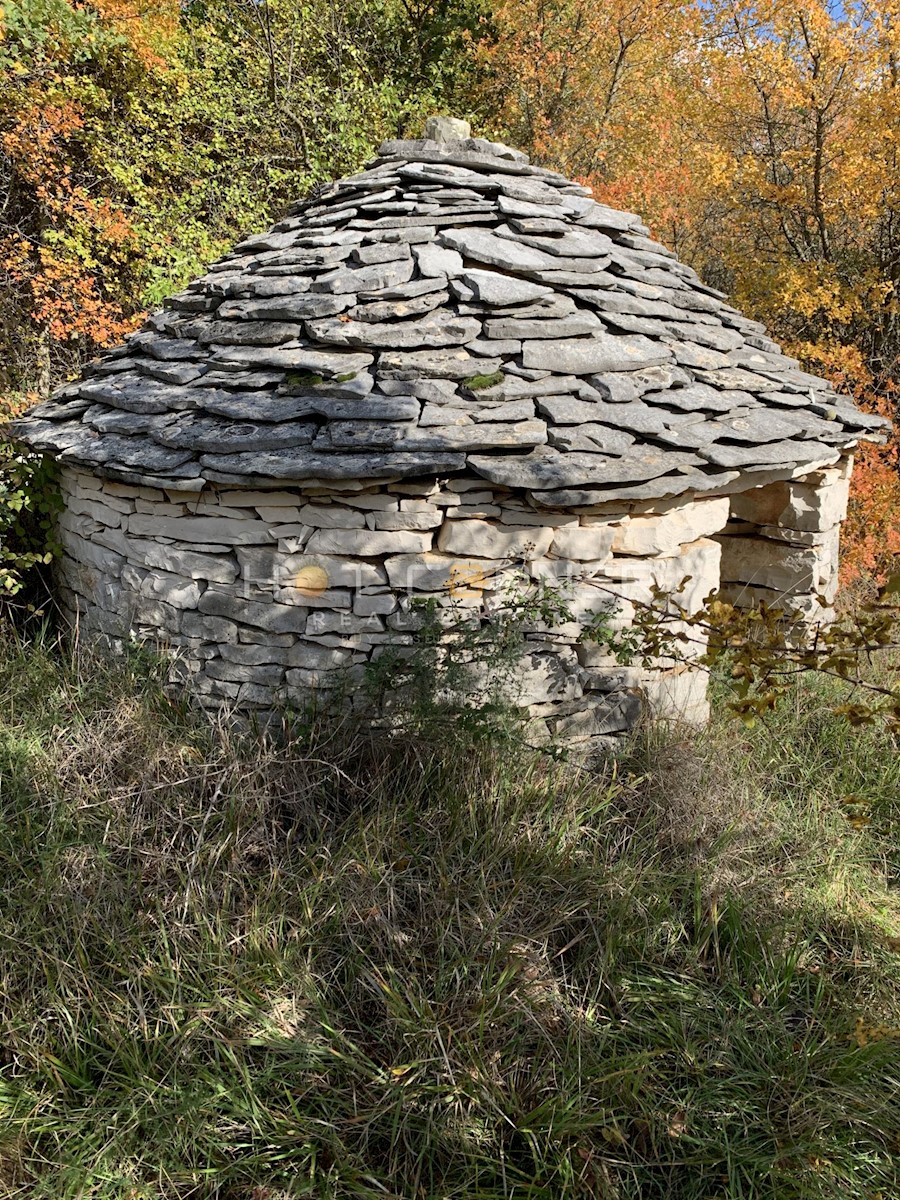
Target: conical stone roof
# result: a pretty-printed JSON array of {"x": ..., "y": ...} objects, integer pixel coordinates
[{"x": 451, "y": 308}]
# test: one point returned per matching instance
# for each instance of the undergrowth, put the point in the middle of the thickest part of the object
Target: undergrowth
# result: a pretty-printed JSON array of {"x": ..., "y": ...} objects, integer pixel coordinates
[{"x": 247, "y": 967}]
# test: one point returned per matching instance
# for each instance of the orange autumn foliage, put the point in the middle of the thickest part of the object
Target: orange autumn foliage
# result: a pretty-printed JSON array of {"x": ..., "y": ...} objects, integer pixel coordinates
[{"x": 760, "y": 140}]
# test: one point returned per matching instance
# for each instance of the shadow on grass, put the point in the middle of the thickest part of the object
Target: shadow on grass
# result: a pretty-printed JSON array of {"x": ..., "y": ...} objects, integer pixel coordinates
[{"x": 324, "y": 965}]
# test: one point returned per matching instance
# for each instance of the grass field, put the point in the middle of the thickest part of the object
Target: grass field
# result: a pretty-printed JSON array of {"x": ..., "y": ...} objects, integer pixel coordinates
[{"x": 239, "y": 968}]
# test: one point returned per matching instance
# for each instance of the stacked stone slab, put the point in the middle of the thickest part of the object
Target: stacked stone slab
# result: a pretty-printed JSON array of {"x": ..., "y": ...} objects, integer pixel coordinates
[{"x": 452, "y": 370}]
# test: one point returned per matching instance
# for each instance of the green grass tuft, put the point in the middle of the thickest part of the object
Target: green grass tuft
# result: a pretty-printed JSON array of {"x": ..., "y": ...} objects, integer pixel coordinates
[{"x": 324, "y": 966}]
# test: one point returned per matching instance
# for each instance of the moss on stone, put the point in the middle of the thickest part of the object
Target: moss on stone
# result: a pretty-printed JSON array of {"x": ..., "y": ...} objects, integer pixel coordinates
[{"x": 478, "y": 383}]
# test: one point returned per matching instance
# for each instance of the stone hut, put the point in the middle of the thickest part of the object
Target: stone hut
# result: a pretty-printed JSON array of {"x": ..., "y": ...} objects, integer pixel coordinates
[{"x": 447, "y": 369}]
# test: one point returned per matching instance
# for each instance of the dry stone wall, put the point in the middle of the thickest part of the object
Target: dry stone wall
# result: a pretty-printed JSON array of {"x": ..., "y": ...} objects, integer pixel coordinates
[
  {"x": 268, "y": 597},
  {"x": 781, "y": 544}
]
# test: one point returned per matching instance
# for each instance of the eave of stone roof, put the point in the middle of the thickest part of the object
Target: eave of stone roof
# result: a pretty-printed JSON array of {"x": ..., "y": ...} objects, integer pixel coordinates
[{"x": 451, "y": 308}]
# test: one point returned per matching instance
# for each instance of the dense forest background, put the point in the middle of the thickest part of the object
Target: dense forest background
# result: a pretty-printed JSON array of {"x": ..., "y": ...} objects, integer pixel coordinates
[{"x": 760, "y": 140}]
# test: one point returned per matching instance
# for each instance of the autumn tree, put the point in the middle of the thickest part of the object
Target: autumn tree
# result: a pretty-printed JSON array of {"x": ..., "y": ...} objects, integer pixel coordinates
[
  {"x": 139, "y": 140},
  {"x": 759, "y": 139}
]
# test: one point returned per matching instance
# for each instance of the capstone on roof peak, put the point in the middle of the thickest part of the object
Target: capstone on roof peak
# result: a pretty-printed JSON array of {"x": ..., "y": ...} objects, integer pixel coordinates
[{"x": 447, "y": 129}]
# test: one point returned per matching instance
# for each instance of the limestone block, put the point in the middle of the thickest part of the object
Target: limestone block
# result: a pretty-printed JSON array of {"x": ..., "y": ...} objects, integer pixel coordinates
[
  {"x": 302, "y": 682},
  {"x": 254, "y": 654},
  {"x": 326, "y": 516},
  {"x": 404, "y": 520},
  {"x": 417, "y": 505},
  {"x": 96, "y": 510},
  {"x": 485, "y": 540},
  {"x": 664, "y": 533},
  {"x": 527, "y": 516},
  {"x": 808, "y": 608},
  {"x": 331, "y": 598},
  {"x": 88, "y": 487},
  {"x": 780, "y": 533},
  {"x": 203, "y": 685},
  {"x": 115, "y": 540},
  {"x": 161, "y": 585},
  {"x": 617, "y": 714},
  {"x": 783, "y": 568},
  {"x": 67, "y": 524},
  {"x": 372, "y": 502},
  {"x": 88, "y": 617},
  {"x": 253, "y": 695},
  {"x": 209, "y": 629},
  {"x": 480, "y": 512},
  {"x": 214, "y": 568},
  {"x": 438, "y": 572},
  {"x": 274, "y": 618},
  {"x": 229, "y": 531},
  {"x": 565, "y": 572},
  {"x": 584, "y": 543},
  {"x": 367, "y": 606},
  {"x": 306, "y": 571},
  {"x": 265, "y": 674},
  {"x": 676, "y": 695},
  {"x": 312, "y": 657},
  {"x": 101, "y": 559},
  {"x": 160, "y": 508},
  {"x": 343, "y": 623},
  {"x": 259, "y": 637},
  {"x": 815, "y": 502},
  {"x": 603, "y": 673},
  {"x": 159, "y": 617},
  {"x": 259, "y": 565},
  {"x": 279, "y": 516},
  {"x": 701, "y": 562},
  {"x": 130, "y": 491},
  {"x": 543, "y": 677},
  {"x": 92, "y": 584},
  {"x": 367, "y": 543},
  {"x": 291, "y": 538},
  {"x": 241, "y": 498}
]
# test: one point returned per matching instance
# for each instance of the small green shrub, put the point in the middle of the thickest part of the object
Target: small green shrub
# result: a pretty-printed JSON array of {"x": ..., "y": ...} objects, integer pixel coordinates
[{"x": 29, "y": 501}]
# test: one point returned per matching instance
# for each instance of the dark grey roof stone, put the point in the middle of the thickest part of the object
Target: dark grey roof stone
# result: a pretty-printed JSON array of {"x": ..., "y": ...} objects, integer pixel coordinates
[{"x": 451, "y": 308}]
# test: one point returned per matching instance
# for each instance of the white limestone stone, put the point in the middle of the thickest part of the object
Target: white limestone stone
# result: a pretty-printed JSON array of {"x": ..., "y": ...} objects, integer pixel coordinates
[
  {"x": 97, "y": 510},
  {"x": 367, "y": 543},
  {"x": 528, "y": 516},
  {"x": 209, "y": 629},
  {"x": 158, "y": 617},
  {"x": 331, "y": 598},
  {"x": 416, "y": 521},
  {"x": 367, "y": 606},
  {"x": 229, "y": 531},
  {"x": 781, "y": 568},
  {"x": 161, "y": 585},
  {"x": 264, "y": 674},
  {"x": 700, "y": 562},
  {"x": 274, "y": 618},
  {"x": 241, "y": 498},
  {"x": 678, "y": 694},
  {"x": 814, "y": 503},
  {"x": 663, "y": 534},
  {"x": 808, "y": 608},
  {"x": 469, "y": 512},
  {"x": 328, "y": 516},
  {"x": 342, "y": 623},
  {"x": 260, "y": 637},
  {"x": 214, "y": 568},
  {"x": 436, "y": 572},
  {"x": 583, "y": 543},
  {"x": 91, "y": 554},
  {"x": 478, "y": 538},
  {"x": 377, "y": 502}
]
